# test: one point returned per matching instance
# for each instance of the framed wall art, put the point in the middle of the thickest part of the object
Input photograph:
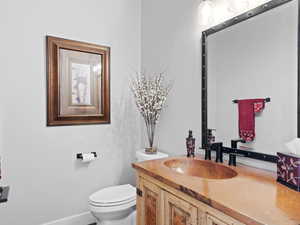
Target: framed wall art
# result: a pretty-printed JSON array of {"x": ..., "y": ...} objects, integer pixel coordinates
[{"x": 78, "y": 83}]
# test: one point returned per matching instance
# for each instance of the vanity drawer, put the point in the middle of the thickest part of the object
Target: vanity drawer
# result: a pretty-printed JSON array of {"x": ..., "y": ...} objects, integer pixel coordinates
[{"x": 212, "y": 220}]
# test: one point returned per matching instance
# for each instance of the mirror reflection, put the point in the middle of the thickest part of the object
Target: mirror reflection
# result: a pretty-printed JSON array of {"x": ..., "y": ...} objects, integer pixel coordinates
[{"x": 253, "y": 83}]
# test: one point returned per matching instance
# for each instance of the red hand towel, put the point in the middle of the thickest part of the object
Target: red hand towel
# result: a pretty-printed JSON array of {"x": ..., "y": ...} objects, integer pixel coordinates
[
  {"x": 259, "y": 105},
  {"x": 247, "y": 110}
]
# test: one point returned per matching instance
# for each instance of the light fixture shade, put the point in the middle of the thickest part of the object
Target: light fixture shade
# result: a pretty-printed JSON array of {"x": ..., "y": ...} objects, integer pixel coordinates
[
  {"x": 238, "y": 6},
  {"x": 206, "y": 13}
]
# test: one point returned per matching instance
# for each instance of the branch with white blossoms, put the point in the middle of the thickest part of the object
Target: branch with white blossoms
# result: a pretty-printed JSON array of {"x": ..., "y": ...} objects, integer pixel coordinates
[{"x": 150, "y": 93}]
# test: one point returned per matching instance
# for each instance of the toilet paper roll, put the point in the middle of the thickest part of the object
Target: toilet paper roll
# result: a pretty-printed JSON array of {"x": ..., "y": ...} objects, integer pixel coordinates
[{"x": 88, "y": 157}]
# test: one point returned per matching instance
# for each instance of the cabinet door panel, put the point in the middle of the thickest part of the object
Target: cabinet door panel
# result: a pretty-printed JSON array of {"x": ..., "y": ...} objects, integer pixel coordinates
[
  {"x": 152, "y": 204},
  {"x": 179, "y": 212}
]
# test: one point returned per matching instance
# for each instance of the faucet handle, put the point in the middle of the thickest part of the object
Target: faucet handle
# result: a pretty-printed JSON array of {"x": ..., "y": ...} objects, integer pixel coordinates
[
  {"x": 232, "y": 159},
  {"x": 219, "y": 151},
  {"x": 207, "y": 154}
]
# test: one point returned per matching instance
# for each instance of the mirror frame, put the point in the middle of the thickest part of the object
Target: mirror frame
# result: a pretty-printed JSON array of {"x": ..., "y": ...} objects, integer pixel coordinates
[{"x": 238, "y": 19}]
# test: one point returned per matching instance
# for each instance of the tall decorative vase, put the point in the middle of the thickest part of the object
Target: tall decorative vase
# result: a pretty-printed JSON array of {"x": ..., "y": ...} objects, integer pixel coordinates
[{"x": 150, "y": 94}]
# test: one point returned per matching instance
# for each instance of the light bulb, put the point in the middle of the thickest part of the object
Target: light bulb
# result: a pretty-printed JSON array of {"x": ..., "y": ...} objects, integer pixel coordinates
[
  {"x": 206, "y": 13},
  {"x": 238, "y": 6}
]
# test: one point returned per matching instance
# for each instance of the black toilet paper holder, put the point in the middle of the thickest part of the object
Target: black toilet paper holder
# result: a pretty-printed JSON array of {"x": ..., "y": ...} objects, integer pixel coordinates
[{"x": 80, "y": 155}]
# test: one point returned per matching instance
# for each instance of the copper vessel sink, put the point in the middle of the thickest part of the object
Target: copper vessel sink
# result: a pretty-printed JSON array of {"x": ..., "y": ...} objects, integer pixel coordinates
[{"x": 200, "y": 168}]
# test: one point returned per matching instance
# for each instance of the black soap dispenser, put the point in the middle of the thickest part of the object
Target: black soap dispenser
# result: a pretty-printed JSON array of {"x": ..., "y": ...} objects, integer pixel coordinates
[{"x": 190, "y": 145}]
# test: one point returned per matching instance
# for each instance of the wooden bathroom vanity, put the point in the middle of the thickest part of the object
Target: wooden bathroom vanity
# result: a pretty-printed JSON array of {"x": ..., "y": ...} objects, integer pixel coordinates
[{"x": 185, "y": 191}]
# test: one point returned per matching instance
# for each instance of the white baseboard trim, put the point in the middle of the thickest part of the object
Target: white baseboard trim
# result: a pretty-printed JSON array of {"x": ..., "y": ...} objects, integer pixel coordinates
[{"x": 85, "y": 218}]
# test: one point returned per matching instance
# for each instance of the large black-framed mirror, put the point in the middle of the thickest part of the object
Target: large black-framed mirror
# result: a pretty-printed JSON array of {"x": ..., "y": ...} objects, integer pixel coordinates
[{"x": 263, "y": 47}]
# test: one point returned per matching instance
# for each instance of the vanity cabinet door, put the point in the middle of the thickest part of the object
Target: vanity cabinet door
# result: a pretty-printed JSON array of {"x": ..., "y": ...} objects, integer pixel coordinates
[
  {"x": 151, "y": 204},
  {"x": 179, "y": 212},
  {"x": 210, "y": 220}
]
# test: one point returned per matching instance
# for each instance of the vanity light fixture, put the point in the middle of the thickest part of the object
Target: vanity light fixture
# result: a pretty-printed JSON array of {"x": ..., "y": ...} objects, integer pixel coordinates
[
  {"x": 237, "y": 6},
  {"x": 205, "y": 11},
  {"x": 265, "y": 6}
]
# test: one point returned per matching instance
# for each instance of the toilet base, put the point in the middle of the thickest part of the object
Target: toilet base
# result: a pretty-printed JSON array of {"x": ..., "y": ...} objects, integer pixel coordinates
[{"x": 129, "y": 219}]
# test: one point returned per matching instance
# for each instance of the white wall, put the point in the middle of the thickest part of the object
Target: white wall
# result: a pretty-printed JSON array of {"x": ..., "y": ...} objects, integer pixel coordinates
[
  {"x": 248, "y": 61},
  {"x": 47, "y": 183},
  {"x": 171, "y": 43}
]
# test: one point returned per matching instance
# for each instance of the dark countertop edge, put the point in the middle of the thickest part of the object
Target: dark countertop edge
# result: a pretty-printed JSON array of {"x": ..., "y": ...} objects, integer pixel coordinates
[{"x": 210, "y": 202}]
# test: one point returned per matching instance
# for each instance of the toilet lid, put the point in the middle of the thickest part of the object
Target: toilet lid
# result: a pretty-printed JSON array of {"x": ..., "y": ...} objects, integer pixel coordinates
[{"x": 115, "y": 194}]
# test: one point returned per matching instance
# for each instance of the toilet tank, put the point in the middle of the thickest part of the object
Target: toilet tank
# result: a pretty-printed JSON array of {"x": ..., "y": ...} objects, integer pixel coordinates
[{"x": 142, "y": 156}]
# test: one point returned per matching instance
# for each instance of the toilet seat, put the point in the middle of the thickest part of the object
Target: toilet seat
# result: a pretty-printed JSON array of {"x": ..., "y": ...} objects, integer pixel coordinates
[
  {"x": 113, "y": 198},
  {"x": 110, "y": 209},
  {"x": 99, "y": 204}
]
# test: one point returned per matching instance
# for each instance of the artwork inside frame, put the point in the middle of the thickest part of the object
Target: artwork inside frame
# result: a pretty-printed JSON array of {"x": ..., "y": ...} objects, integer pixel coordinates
[{"x": 78, "y": 83}]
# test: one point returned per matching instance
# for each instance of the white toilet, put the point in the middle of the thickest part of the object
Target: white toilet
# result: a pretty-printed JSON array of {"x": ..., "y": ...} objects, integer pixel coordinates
[
  {"x": 116, "y": 205},
  {"x": 142, "y": 156}
]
